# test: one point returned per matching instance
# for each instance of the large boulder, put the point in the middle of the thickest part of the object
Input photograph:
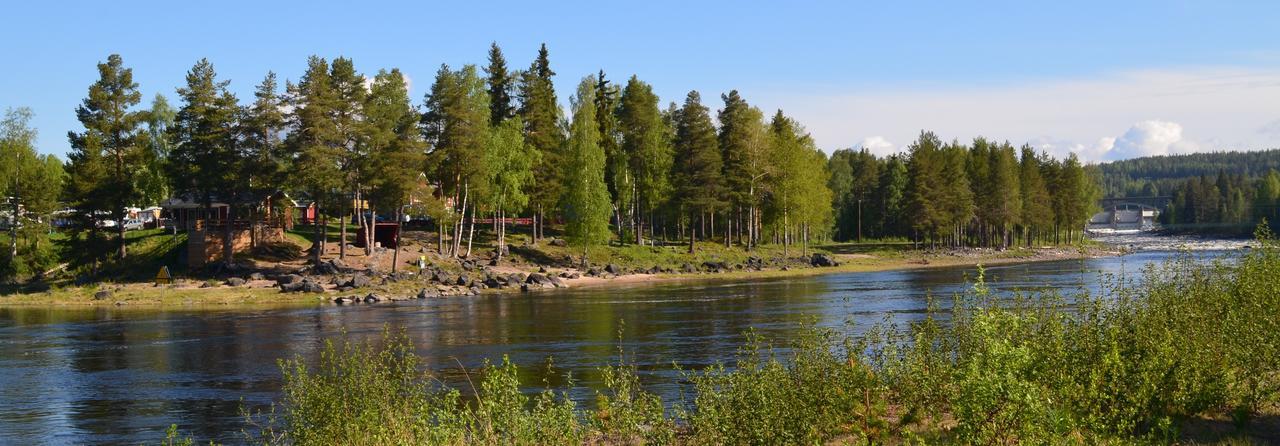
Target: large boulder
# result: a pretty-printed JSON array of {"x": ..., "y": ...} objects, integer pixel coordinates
[
  {"x": 494, "y": 282},
  {"x": 559, "y": 242},
  {"x": 235, "y": 281},
  {"x": 257, "y": 276},
  {"x": 427, "y": 293},
  {"x": 312, "y": 287},
  {"x": 613, "y": 269},
  {"x": 359, "y": 281},
  {"x": 288, "y": 279},
  {"x": 102, "y": 295},
  {"x": 822, "y": 260}
]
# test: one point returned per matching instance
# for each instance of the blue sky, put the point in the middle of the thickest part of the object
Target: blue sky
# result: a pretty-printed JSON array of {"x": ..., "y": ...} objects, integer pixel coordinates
[{"x": 1104, "y": 79}]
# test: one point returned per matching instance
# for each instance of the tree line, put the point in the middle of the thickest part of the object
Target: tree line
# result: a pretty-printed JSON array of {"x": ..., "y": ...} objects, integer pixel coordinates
[
  {"x": 494, "y": 142},
  {"x": 483, "y": 142},
  {"x": 1161, "y": 175},
  {"x": 981, "y": 194},
  {"x": 1225, "y": 204}
]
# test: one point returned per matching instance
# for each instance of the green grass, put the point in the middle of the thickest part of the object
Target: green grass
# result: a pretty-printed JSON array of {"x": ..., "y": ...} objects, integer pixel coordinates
[{"x": 637, "y": 257}]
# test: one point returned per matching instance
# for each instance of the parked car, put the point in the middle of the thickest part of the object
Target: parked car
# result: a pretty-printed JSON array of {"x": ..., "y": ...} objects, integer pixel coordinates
[
  {"x": 106, "y": 223},
  {"x": 133, "y": 224}
]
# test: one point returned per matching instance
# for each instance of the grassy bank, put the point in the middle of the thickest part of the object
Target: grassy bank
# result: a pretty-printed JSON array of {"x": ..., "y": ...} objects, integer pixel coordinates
[
  {"x": 153, "y": 249},
  {"x": 1193, "y": 357}
]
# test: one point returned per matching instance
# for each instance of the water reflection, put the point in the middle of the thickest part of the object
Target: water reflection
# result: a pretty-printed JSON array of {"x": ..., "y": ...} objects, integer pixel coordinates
[{"x": 108, "y": 376}]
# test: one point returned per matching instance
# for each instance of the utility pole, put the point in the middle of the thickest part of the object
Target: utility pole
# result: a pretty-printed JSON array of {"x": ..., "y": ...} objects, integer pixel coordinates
[{"x": 859, "y": 220}]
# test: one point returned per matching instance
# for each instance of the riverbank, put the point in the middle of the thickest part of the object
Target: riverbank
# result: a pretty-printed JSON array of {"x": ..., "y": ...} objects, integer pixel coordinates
[
  {"x": 1027, "y": 371},
  {"x": 357, "y": 280}
]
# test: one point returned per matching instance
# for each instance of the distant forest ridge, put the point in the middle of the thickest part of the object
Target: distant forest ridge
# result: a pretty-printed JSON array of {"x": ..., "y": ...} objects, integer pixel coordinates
[{"x": 1161, "y": 175}]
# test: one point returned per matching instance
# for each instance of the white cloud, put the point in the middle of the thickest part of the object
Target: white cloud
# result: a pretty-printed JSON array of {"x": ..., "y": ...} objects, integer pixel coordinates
[
  {"x": 1207, "y": 108},
  {"x": 877, "y": 145},
  {"x": 1148, "y": 138}
]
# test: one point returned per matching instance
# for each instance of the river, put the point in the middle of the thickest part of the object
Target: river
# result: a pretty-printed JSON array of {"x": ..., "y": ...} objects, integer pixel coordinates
[{"x": 112, "y": 376}]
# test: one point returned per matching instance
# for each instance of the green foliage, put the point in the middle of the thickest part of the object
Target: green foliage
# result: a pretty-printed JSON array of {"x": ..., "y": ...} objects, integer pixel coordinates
[
  {"x": 206, "y": 160},
  {"x": 645, "y": 141},
  {"x": 30, "y": 184},
  {"x": 104, "y": 157},
  {"x": 586, "y": 201},
  {"x": 376, "y": 394},
  {"x": 698, "y": 163},
  {"x": 393, "y": 142},
  {"x": 501, "y": 85},
  {"x": 540, "y": 112},
  {"x": 509, "y": 165}
]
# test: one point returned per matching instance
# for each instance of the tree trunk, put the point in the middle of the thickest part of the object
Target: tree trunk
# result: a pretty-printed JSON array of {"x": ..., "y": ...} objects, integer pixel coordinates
[
  {"x": 693, "y": 234},
  {"x": 228, "y": 231},
  {"x": 342, "y": 227},
  {"x": 471, "y": 232},
  {"x": 457, "y": 230},
  {"x": 395, "y": 256}
]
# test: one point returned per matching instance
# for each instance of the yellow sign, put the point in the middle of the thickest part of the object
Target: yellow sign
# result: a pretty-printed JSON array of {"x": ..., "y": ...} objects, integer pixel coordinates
[{"x": 163, "y": 276}]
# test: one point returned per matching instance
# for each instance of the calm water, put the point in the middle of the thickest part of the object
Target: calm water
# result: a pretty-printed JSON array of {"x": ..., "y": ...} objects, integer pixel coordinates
[{"x": 110, "y": 376}]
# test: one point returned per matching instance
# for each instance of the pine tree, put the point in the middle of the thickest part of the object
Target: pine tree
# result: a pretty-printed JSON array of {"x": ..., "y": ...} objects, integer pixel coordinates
[
  {"x": 924, "y": 197},
  {"x": 314, "y": 144},
  {"x": 698, "y": 165},
  {"x": 1036, "y": 212},
  {"x": 261, "y": 130},
  {"x": 457, "y": 128},
  {"x": 1006, "y": 192},
  {"x": 206, "y": 161},
  {"x": 395, "y": 146},
  {"x": 348, "y": 116},
  {"x": 500, "y": 83},
  {"x": 585, "y": 204},
  {"x": 104, "y": 157},
  {"x": 541, "y": 115},
  {"x": 956, "y": 195},
  {"x": 648, "y": 148}
]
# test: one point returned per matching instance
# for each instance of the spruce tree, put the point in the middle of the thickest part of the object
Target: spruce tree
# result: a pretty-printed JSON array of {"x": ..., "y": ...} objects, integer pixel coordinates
[
  {"x": 585, "y": 205},
  {"x": 540, "y": 112},
  {"x": 891, "y": 196},
  {"x": 698, "y": 165},
  {"x": 105, "y": 155},
  {"x": 617, "y": 171},
  {"x": 500, "y": 81}
]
